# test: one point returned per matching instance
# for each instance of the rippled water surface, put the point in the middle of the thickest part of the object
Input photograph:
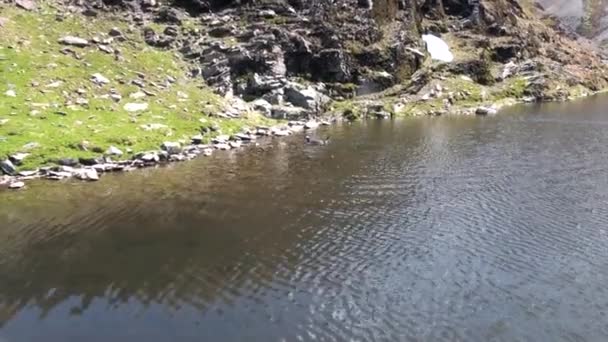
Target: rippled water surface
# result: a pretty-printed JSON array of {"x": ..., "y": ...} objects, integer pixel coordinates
[{"x": 430, "y": 229}]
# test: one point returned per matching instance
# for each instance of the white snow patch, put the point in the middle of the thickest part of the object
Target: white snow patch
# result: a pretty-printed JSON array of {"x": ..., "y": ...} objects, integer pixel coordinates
[{"x": 438, "y": 48}]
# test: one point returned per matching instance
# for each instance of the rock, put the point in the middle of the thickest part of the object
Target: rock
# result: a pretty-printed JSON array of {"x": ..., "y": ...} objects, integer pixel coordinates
[
  {"x": 222, "y": 146},
  {"x": 197, "y": 139},
  {"x": 235, "y": 144},
  {"x": 311, "y": 125},
  {"x": 7, "y": 167},
  {"x": 87, "y": 174},
  {"x": 16, "y": 185},
  {"x": 71, "y": 162},
  {"x": 332, "y": 65},
  {"x": 18, "y": 158},
  {"x": 99, "y": 79},
  {"x": 10, "y": 93},
  {"x": 220, "y": 139},
  {"x": 115, "y": 32},
  {"x": 26, "y": 4},
  {"x": 244, "y": 137},
  {"x": 288, "y": 113},
  {"x": 153, "y": 127},
  {"x": 90, "y": 161},
  {"x": 73, "y": 41},
  {"x": 135, "y": 107},
  {"x": 486, "y": 111},
  {"x": 114, "y": 151},
  {"x": 31, "y": 146},
  {"x": 268, "y": 14},
  {"x": 171, "y": 147},
  {"x": 137, "y": 95},
  {"x": 207, "y": 152},
  {"x": 105, "y": 49},
  {"x": 116, "y": 97},
  {"x": 262, "y": 106},
  {"x": 307, "y": 98}
]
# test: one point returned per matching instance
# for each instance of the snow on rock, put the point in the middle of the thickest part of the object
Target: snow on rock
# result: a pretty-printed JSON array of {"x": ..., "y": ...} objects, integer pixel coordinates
[{"x": 438, "y": 48}]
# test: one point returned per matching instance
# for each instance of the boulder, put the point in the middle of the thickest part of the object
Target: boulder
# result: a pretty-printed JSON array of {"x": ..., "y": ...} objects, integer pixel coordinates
[
  {"x": 135, "y": 107},
  {"x": 262, "y": 106},
  {"x": 99, "y": 79},
  {"x": 18, "y": 158},
  {"x": 332, "y": 65},
  {"x": 486, "y": 111}
]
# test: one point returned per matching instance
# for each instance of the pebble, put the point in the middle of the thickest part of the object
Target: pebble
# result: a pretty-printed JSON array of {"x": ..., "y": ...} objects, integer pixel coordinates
[{"x": 114, "y": 151}]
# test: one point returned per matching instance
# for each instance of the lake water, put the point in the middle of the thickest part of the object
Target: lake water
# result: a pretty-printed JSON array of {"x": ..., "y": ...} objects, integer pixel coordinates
[{"x": 423, "y": 229}]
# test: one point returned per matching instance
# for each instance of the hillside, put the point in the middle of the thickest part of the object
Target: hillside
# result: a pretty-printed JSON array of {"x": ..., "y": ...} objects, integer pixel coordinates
[{"x": 86, "y": 79}]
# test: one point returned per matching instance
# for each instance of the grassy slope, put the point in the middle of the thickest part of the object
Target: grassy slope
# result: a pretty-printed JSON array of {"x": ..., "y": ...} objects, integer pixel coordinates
[{"x": 30, "y": 55}]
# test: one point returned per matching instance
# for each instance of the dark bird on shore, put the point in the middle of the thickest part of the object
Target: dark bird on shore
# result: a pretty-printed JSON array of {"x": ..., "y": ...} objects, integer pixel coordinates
[{"x": 311, "y": 141}]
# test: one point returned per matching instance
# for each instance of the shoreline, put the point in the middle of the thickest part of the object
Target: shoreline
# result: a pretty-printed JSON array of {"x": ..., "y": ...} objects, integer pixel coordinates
[{"x": 173, "y": 152}]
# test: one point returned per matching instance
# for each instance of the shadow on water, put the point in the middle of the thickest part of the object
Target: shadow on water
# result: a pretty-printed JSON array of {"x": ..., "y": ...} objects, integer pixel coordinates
[{"x": 431, "y": 228}]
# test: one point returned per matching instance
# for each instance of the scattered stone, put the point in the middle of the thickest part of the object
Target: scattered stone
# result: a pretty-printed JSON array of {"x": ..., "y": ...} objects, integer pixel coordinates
[
  {"x": 87, "y": 174},
  {"x": 114, "y": 151},
  {"x": 197, "y": 139},
  {"x": 116, "y": 97},
  {"x": 153, "y": 127},
  {"x": 207, "y": 152},
  {"x": 135, "y": 107},
  {"x": 82, "y": 101},
  {"x": 115, "y": 32},
  {"x": 171, "y": 147},
  {"x": 262, "y": 106},
  {"x": 235, "y": 144},
  {"x": 28, "y": 173},
  {"x": 73, "y": 41},
  {"x": 99, "y": 79},
  {"x": 138, "y": 82},
  {"x": 55, "y": 84},
  {"x": 18, "y": 158},
  {"x": 486, "y": 111},
  {"x": 137, "y": 95},
  {"x": 26, "y": 4},
  {"x": 268, "y": 14},
  {"x": 106, "y": 49},
  {"x": 71, "y": 162},
  {"x": 7, "y": 167},
  {"x": 31, "y": 146},
  {"x": 311, "y": 125},
  {"x": 16, "y": 185},
  {"x": 10, "y": 93},
  {"x": 222, "y": 146},
  {"x": 223, "y": 138}
]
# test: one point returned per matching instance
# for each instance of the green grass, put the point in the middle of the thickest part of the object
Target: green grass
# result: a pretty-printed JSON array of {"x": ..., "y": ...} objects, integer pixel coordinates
[{"x": 30, "y": 60}]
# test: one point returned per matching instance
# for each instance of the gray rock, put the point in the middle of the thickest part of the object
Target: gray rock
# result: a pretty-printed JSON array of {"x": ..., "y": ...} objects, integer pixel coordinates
[
  {"x": 235, "y": 144},
  {"x": 207, "y": 152},
  {"x": 16, "y": 185},
  {"x": 114, "y": 151},
  {"x": 87, "y": 174},
  {"x": 311, "y": 125},
  {"x": 262, "y": 106},
  {"x": 220, "y": 139},
  {"x": 307, "y": 97},
  {"x": 115, "y": 32},
  {"x": 18, "y": 158},
  {"x": 197, "y": 139},
  {"x": 7, "y": 167},
  {"x": 99, "y": 79},
  {"x": 289, "y": 113},
  {"x": 135, "y": 107},
  {"x": 73, "y": 41},
  {"x": 222, "y": 146},
  {"x": 486, "y": 111},
  {"x": 171, "y": 147},
  {"x": 26, "y": 4},
  {"x": 28, "y": 173},
  {"x": 70, "y": 162}
]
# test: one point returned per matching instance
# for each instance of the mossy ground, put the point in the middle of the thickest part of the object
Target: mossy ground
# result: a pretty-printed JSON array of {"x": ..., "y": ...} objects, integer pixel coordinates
[{"x": 45, "y": 82}]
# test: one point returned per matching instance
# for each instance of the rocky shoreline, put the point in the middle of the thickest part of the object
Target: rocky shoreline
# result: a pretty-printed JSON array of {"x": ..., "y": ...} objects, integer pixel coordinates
[{"x": 91, "y": 169}]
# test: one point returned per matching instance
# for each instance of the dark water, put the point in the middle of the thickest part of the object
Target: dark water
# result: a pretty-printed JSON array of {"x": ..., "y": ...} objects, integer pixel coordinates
[{"x": 430, "y": 229}]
